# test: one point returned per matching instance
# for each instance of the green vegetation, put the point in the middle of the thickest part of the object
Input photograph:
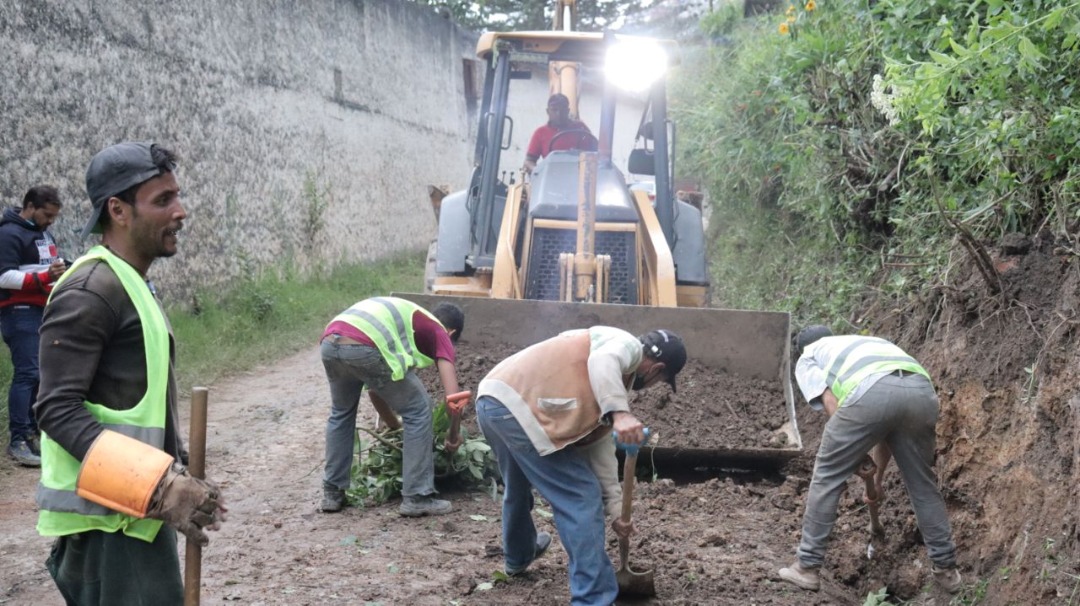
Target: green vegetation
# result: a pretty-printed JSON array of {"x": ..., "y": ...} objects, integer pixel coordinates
[
  {"x": 376, "y": 472},
  {"x": 848, "y": 147}
]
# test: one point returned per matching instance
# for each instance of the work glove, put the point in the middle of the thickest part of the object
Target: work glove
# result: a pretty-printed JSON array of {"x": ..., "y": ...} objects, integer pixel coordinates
[{"x": 188, "y": 504}]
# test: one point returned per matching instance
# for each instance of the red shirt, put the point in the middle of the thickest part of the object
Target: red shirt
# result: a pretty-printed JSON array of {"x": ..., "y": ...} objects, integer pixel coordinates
[
  {"x": 541, "y": 139},
  {"x": 431, "y": 338}
]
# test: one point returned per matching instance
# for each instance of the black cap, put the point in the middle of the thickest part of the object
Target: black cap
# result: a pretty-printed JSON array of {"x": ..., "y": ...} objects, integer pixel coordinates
[
  {"x": 809, "y": 335},
  {"x": 667, "y": 347},
  {"x": 113, "y": 171}
]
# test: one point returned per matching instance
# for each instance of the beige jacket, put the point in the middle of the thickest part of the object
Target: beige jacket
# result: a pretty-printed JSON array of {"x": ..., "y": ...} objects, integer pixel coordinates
[{"x": 559, "y": 389}]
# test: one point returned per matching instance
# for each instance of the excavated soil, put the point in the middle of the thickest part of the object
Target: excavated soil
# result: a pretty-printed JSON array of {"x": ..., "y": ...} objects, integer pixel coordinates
[{"x": 1006, "y": 367}]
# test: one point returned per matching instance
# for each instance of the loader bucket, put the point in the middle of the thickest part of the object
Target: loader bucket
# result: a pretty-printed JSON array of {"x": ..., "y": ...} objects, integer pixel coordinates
[{"x": 748, "y": 344}]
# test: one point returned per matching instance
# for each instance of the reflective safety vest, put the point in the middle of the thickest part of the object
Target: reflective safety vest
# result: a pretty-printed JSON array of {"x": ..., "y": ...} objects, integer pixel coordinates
[
  {"x": 62, "y": 511},
  {"x": 387, "y": 321},
  {"x": 862, "y": 357}
]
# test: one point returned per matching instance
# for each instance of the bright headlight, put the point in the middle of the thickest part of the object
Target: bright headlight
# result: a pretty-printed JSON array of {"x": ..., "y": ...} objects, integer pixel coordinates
[{"x": 634, "y": 64}]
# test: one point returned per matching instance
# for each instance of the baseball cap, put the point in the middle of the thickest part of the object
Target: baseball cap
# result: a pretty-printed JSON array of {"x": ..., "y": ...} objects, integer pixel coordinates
[
  {"x": 558, "y": 100},
  {"x": 116, "y": 169},
  {"x": 667, "y": 347}
]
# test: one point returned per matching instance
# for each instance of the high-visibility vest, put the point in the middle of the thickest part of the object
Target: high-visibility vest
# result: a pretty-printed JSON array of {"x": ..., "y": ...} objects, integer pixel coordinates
[
  {"x": 62, "y": 511},
  {"x": 862, "y": 357},
  {"x": 387, "y": 321}
]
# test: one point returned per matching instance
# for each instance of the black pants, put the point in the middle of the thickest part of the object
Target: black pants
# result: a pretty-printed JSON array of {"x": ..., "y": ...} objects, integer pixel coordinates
[{"x": 106, "y": 569}]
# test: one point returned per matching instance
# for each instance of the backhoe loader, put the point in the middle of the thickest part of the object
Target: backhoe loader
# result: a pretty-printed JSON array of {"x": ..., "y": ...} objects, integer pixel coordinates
[{"x": 571, "y": 245}]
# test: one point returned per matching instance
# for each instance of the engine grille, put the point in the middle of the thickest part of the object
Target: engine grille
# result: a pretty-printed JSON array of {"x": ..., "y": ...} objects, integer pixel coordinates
[{"x": 543, "y": 279}]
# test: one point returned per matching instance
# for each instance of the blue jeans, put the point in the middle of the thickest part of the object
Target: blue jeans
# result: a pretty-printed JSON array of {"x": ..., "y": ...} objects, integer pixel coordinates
[
  {"x": 348, "y": 368},
  {"x": 20, "y": 325},
  {"x": 566, "y": 481},
  {"x": 902, "y": 412}
]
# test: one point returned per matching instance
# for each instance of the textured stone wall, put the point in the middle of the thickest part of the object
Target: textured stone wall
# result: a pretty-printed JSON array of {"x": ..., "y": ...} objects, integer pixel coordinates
[{"x": 307, "y": 129}]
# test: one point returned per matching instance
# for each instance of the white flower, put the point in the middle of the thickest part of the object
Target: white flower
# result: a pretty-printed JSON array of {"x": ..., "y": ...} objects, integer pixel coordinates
[{"x": 883, "y": 101}]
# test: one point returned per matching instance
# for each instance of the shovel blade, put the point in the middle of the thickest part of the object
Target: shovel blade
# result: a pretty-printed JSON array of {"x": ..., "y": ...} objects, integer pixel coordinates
[{"x": 633, "y": 583}]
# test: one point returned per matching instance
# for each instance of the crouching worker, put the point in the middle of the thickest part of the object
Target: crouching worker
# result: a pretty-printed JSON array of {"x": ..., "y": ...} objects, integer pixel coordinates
[
  {"x": 877, "y": 397},
  {"x": 112, "y": 490},
  {"x": 534, "y": 406},
  {"x": 378, "y": 342}
]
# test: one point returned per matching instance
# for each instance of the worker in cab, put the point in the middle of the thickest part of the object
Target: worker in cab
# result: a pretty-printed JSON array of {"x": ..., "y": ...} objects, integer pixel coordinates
[{"x": 559, "y": 134}]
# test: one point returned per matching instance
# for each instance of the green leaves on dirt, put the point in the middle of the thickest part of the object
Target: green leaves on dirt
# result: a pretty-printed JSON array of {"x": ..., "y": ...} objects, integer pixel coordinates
[{"x": 376, "y": 474}]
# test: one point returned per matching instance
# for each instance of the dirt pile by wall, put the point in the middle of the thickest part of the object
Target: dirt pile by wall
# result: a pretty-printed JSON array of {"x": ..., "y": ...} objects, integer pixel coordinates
[{"x": 1006, "y": 369}]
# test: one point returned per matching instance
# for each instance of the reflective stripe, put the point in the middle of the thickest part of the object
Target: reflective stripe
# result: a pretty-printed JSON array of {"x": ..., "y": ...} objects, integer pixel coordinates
[
  {"x": 876, "y": 355},
  {"x": 867, "y": 361},
  {"x": 387, "y": 321},
  {"x": 399, "y": 323},
  {"x": 370, "y": 319},
  {"x": 838, "y": 363},
  {"x": 154, "y": 436},
  {"x": 66, "y": 501}
]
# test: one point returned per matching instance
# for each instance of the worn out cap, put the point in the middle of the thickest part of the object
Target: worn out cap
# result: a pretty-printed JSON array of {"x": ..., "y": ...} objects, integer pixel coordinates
[
  {"x": 114, "y": 170},
  {"x": 667, "y": 347}
]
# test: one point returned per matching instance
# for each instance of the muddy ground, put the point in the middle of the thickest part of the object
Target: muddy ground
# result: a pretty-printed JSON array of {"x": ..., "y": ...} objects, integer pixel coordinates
[
  {"x": 1006, "y": 367},
  {"x": 712, "y": 538}
]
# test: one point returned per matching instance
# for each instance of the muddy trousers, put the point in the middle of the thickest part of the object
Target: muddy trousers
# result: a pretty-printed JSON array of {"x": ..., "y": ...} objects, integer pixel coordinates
[
  {"x": 348, "y": 368},
  {"x": 565, "y": 480},
  {"x": 902, "y": 411},
  {"x": 98, "y": 568}
]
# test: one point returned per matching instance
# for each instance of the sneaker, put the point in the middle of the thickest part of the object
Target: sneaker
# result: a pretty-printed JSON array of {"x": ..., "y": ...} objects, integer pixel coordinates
[
  {"x": 543, "y": 541},
  {"x": 948, "y": 578},
  {"x": 801, "y": 576},
  {"x": 333, "y": 498},
  {"x": 20, "y": 451},
  {"x": 426, "y": 505}
]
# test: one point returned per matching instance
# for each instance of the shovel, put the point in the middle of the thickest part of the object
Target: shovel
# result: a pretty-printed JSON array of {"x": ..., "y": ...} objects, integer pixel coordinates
[
  {"x": 197, "y": 468},
  {"x": 631, "y": 583},
  {"x": 866, "y": 471}
]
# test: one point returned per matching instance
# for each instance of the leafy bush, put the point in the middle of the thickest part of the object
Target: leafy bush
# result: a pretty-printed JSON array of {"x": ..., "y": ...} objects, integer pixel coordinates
[
  {"x": 376, "y": 474},
  {"x": 854, "y": 142}
]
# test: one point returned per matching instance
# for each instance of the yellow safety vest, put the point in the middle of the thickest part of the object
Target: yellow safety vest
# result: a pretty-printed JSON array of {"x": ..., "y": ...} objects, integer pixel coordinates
[
  {"x": 387, "y": 321},
  {"x": 863, "y": 357},
  {"x": 62, "y": 511}
]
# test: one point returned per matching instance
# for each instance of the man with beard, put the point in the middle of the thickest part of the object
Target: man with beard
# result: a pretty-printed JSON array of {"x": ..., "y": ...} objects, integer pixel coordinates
[
  {"x": 113, "y": 488},
  {"x": 535, "y": 407}
]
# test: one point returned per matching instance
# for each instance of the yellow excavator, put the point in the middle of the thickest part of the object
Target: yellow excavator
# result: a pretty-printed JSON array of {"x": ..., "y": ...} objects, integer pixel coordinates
[
  {"x": 572, "y": 245},
  {"x": 573, "y": 230}
]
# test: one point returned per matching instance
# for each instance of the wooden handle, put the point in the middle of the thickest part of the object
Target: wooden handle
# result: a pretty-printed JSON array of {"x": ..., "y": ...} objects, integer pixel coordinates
[
  {"x": 197, "y": 468},
  {"x": 629, "y": 468}
]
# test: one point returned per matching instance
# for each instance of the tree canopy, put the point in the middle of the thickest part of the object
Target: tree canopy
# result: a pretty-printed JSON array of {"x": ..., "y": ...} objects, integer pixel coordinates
[{"x": 507, "y": 15}]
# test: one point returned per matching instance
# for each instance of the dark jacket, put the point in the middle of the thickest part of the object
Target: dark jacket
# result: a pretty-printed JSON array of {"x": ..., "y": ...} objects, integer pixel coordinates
[
  {"x": 92, "y": 350},
  {"x": 26, "y": 251}
]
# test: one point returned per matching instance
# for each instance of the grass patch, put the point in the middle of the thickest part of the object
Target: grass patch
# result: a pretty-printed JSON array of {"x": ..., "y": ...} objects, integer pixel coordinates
[{"x": 264, "y": 318}]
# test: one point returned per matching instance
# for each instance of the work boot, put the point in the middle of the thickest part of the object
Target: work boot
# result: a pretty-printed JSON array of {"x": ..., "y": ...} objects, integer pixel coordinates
[
  {"x": 948, "y": 578},
  {"x": 801, "y": 576},
  {"x": 20, "y": 451},
  {"x": 333, "y": 498},
  {"x": 543, "y": 541},
  {"x": 426, "y": 505}
]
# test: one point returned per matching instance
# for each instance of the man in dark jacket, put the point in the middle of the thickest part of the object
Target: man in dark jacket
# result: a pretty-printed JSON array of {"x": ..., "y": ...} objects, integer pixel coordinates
[{"x": 29, "y": 265}]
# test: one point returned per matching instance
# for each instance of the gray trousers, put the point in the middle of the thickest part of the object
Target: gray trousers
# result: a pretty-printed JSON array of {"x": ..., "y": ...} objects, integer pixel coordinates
[
  {"x": 902, "y": 412},
  {"x": 348, "y": 368}
]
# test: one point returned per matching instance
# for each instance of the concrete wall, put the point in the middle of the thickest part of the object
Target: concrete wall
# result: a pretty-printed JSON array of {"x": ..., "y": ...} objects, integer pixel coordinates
[{"x": 307, "y": 129}]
